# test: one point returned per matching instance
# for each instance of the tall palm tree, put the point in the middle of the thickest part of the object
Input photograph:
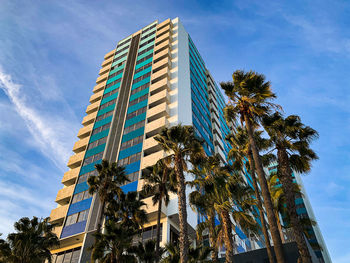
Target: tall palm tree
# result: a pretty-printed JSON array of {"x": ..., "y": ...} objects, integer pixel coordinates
[
  {"x": 113, "y": 245},
  {"x": 128, "y": 209},
  {"x": 291, "y": 140},
  {"x": 158, "y": 185},
  {"x": 231, "y": 199},
  {"x": 238, "y": 153},
  {"x": 181, "y": 142},
  {"x": 205, "y": 168},
  {"x": 31, "y": 242},
  {"x": 106, "y": 183},
  {"x": 249, "y": 98}
]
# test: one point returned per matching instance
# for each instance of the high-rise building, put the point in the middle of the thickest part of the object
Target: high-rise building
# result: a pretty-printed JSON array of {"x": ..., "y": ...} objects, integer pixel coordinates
[
  {"x": 304, "y": 211},
  {"x": 154, "y": 78}
]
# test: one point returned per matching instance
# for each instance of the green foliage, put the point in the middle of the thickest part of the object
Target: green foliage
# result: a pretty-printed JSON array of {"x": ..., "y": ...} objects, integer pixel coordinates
[{"x": 31, "y": 243}]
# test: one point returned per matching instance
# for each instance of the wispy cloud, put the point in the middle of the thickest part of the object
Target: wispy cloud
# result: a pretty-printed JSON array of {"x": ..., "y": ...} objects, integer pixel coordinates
[{"x": 48, "y": 133}]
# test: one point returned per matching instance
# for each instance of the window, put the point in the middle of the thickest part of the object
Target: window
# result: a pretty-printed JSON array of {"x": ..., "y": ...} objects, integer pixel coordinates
[
  {"x": 148, "y": 29},
  {"x": 145, "y": 50},
  {"x": 143, "y": 59},
  {"x": 136, "y": 113},
  {"x": 131, "y": 142},
  {"x": 124, "y": 42},
  {"x": 146, "y": 36},
  {"x": 141, "y": 77},
  {"x": 93, "y": 158},
  {"x": 77, "y": 217},
  {"x": 113, "y": 83},
  {"x": 139, "y": 99},
  {"x": 101, "y": 128},
  {"x": 130, "y": 159},
  {"x": 109, "y": 103},
  {"x": 81, "y": 196},
  {"x": 134, "y": 127},
  {"x": 84, "y": 177},
  {"x": 69, "y": 256},
  {"x": 110, "y": 93},
  {"x": 144, "y": 86},
  {"x": 120, "y": 51},
  {"x": 120, "y": 57},
  {"x": 144, "y": 67},
  {"x": 105, "y": 115},
  {"x": 97, "y": 143},
  {"x": 147, "y": 42}
]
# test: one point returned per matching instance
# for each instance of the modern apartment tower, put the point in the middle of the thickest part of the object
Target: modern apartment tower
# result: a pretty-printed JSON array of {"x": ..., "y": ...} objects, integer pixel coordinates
[{"x": 154, "y": 78}]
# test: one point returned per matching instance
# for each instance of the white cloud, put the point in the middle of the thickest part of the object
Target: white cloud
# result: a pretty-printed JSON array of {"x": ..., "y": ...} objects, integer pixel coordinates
[{"x": 49, "y": 133}]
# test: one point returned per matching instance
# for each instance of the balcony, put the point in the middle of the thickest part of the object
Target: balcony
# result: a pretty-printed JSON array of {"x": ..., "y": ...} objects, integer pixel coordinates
[
  {"x": 157, "y": 112},
  {"x": 163, "y": 30},
  {"x": 104, "y": 70},
  {"x": 57, "y": 230},
  {"x": 162, "y": 46},
  {"x": 165, "y": 62},
  {"x": 151, "y": 209},
  {"x": 158, "y": 98},
  {"x": 75, "y": 160},
  {"x": 159, "y": 75},
  {"x": 70, "y": 176},
  {"x": 164, "y": 37},
  {"x": 161, "y": 55},
  {"x": 85, "y": 131},
  {"x": 99, "y": 87},
  {"x": 109, "y": 54},
  {"x": 164, "y": 23},
  {"x": 64, "y": 195},
  {"x": 150, "y": 146},
  {"x": 107, "y": 62},
  {"x": 102, "y": 78},
  {"x": 80, "y": 145},
  {"x": 58, "y": 214},
  {"x": 92, "y": 107},
  {"x": 154, "y": 127},
  {"x": 152, "y": 159},
  {"x": 160, "y": 85},
  {"x": 88, "y": 119},
  {"x": 96, "y": 96}
]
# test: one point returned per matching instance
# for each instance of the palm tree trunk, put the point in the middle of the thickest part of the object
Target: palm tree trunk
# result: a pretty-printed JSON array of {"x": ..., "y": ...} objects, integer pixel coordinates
[
  {"x": 181, "y": 193},
  {"x": 261, "y": 210},
  {"x": 228, "y": 238},
  {"x": 100, "y": 220},
  {"x": 265, "y": 193},
  {"x": 158, "y": 228},
  {"x": 288, "y": 190},
  {"x": 212, "y": 236}
]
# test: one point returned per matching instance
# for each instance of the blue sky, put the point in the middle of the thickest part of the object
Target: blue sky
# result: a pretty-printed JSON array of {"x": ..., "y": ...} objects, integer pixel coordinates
[{"x": 50, "y": 52}]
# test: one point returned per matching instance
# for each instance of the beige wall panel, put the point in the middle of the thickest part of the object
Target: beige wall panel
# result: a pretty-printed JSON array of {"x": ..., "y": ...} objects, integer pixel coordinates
[
  {"x": 85, "y": 131},
  {"x": 80, "y": 145},
  {"x": 70, "y": 176},
  {"x": 88, "y": 119},
  {"x": 75, "y": 160}
]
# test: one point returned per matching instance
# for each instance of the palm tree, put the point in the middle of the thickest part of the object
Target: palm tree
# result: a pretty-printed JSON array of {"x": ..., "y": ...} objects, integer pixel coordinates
[
  {"x": 31, "y": 242},
  {"x": 106, "y": 183},
  {"x": 113, "y": 245},
  {"x": 238, "y": 153},
  {"x": 147, "y": 252},
  {"x": 181, "y": 142},
  {"x": 127, "y": 209},
  {"x": 196, "y": 255},
  {"x": 158, "y": 185},
  {"x": 249, "y": 98},
  {"x": 204, "y": 169},
  {"x": 291, "y": 139},
  {"x": 231, "y": 199},
  {"x": 5, "y": 251}
]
